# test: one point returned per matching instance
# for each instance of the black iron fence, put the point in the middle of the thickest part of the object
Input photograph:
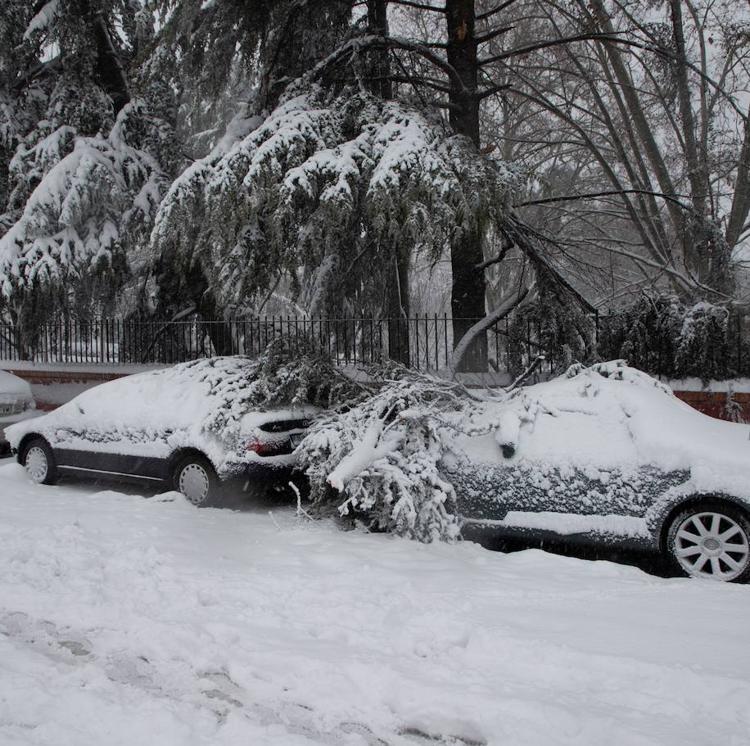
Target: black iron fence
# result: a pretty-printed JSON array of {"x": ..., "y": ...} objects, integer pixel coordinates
[{"x": 422, "y": 342}]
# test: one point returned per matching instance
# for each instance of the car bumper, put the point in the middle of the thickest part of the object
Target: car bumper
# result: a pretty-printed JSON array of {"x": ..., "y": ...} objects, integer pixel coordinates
[
  {"x": 266, "y": 470},
  {"x": 12, "y": 419}
]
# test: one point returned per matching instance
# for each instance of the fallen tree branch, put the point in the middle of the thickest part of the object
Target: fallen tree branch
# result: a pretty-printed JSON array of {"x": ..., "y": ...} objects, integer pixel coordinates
[
  {"x": 538, "y": 360},
  {"x": 482, "y": 325}
]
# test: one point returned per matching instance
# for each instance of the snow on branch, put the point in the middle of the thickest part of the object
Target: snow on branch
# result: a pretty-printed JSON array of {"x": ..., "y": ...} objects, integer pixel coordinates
[
  {"x": 43, "y": 19},
  {"x": 321, "y": 184},
  {"x": 94, "y": 197},
  {"x": 380, "y": 460}
]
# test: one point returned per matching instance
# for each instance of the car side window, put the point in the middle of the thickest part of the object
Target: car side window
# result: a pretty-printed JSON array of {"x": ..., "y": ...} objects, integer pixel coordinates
[{"x": 284, "y": 426}]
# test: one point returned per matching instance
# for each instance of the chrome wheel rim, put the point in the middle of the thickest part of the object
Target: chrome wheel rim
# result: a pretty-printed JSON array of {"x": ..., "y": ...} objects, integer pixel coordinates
[
  {"x": 712, "y": 545},
  {"x": 36, "y": 464},
  {"x": 194, "y": 483}
]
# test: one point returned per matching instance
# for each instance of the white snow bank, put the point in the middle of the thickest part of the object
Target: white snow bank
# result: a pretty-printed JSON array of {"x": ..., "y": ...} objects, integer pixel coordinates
[{"x": 125, "y": 621}]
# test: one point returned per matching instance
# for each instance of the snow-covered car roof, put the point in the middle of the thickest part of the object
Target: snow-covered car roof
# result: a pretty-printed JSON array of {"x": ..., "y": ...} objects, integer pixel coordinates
[
  {"x": 610, "y": 415},
  {"x": 11, "y": 385}
]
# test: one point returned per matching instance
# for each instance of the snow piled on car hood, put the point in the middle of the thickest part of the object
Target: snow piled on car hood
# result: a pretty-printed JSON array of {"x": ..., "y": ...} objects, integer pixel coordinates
[{"x": 613, "y": 416}]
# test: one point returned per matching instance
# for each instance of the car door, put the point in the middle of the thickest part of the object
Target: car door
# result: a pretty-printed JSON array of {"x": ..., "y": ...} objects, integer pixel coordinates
[
  {"x": 559, "y": 456},
  {"x": 102, "y": 431}
]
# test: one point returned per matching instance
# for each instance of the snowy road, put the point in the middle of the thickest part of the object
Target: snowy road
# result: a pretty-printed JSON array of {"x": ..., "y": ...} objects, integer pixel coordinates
[{"x": 126, "y": 620}]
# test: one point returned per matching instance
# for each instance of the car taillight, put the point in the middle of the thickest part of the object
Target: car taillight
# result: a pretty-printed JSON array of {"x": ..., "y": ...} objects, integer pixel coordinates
[{"x": 265, "y": 449}]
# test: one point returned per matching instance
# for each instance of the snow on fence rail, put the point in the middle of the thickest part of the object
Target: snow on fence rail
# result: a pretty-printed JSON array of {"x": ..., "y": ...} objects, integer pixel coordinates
[{"x": 422, "y": 342}]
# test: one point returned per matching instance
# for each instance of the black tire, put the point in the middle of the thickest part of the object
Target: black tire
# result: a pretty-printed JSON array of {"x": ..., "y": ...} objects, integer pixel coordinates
[
  {"x": 710, "y": 540},
  {"x": 34, "y": 454},
  {"x": 189, "y": 472}
]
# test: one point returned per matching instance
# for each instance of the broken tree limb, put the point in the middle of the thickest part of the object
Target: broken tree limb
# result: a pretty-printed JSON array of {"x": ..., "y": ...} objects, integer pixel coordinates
[{"x": 482, "y": 325}]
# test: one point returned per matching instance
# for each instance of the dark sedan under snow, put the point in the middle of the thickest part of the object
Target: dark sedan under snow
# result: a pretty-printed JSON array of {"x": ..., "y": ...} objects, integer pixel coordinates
[
  {"x": 189, "y": 428},
  {"x": 609, "y": 455}
]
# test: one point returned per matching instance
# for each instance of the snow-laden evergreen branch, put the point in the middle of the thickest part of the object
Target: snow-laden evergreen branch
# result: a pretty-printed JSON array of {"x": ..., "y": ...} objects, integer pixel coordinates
[
  {"x": 327, "y": 184},
  {"x": 380, "y": 459},
  {"x": 95, "y": 197}
]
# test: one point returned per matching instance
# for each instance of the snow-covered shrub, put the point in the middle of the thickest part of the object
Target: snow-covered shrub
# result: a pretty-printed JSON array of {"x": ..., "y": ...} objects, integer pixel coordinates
[
  {"x": 380, "y": 458},
  {"x": 557, "y": 325},
  {"x": 87, "y": 147},
  {"x": 702, "y": 342},
  {"x": 644, "y": 334},
  {"x": 666, "y": 336},
  {"x": 733, "y": 411}
]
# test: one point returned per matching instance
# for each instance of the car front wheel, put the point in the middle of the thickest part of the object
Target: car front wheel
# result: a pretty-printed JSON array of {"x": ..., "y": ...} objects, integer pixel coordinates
[
  {"x": 195, "y": 478},
  {"x": 711, "y": 541},
  {"x": 39, "y": 462}
]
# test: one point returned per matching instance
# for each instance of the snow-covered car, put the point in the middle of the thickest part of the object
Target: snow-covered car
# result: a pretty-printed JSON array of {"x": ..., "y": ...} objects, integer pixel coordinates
[
  {"x": 608, "y": 454},
  {"x": 16, "y": 404},
  {"x": 191, "y": 428}
]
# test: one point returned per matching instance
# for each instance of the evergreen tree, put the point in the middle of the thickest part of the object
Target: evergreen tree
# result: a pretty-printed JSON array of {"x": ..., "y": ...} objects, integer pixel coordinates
[
  {"x": 326, "y": 193},
  {"x": 88, "y": 151},
  {"x": 311, "y": 158}
]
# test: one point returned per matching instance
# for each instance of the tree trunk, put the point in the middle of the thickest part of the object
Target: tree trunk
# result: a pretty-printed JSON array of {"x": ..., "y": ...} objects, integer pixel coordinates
[
  {"x": 469, "y": 286},
  {"x": 697, "y": 239},
  {"x": 377, "y": 25},
  {"x": 680, "y": 220},
  {"x": 741, "y": 199},
  {"x": 397, "y": 288},
  {"x": 109, "y": 72},
  {"x": 218, "y": 331},
  {"x": 398, "y": 310}
]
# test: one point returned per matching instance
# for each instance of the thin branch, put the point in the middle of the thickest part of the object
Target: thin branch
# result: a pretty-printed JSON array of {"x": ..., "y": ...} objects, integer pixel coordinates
[
  {"x": 525, "y": 375},
  {"x": 493, "y": 90},
  {"x": 414, "y": 80},
  {"x": 482, "y": 325},
  {"x": 609, "y": 193},
  {"x": 556, "y": 43},
  {"x": 496, "y": 260},
  {"x": 354, "y": 46},
  {"x": 493, "y": 34},
  {"x": 524, "y": 236},
  {"x": 493, "y": 11},
  {"x": 418, "y": 6}
]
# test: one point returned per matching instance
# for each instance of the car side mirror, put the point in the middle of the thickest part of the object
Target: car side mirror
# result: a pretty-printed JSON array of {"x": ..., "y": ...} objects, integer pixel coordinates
[{"x": 508, "y": 449}]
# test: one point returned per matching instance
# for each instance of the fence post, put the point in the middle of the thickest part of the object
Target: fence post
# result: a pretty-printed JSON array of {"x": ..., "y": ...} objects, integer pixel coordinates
[{"x": 739, "y": 345}]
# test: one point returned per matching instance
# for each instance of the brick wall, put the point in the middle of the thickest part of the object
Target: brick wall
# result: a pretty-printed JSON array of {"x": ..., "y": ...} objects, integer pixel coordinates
[
  {"x": 714, "y": 403},
  {"x": 47, "y": 377}
]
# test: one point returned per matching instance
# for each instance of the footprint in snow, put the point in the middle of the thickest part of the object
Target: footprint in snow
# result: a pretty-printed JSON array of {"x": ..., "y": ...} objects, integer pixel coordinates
[{"x": 60, "y": 643}]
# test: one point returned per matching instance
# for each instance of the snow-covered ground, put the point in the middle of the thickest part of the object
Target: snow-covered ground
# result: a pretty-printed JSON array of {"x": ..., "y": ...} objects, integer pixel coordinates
[{"x": 126, "y": 620}]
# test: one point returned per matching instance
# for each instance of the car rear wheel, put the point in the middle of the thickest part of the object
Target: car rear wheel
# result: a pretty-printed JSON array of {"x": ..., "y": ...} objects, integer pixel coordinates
[
  {"x": 39, "y": 461},
  {"x": 711, "y": 541},
  {"x": 195, "y": 478}
]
